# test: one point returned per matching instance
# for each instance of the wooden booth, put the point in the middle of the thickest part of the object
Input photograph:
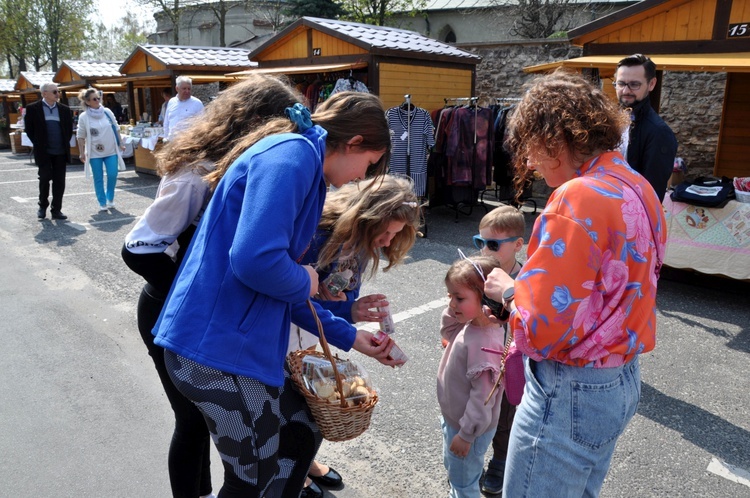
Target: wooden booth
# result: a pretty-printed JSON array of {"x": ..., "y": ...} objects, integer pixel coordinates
[
  {"x": 151, "y": 68},
  {"x": 694, "y": 36},
  {"x": 9, "y": 100},
  {"x": 390, "y": 62}
]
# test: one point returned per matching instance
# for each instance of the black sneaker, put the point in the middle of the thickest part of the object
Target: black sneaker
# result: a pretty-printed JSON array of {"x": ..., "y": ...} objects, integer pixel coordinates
[
  {"x": 58, "y": 215},
  {"x": 493, "y": 481}
]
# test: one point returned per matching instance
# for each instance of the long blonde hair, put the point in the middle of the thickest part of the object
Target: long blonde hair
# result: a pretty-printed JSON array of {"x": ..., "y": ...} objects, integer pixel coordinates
[
  {"x": 357, "y": 214},
  {"x": 222, "y": 132}
]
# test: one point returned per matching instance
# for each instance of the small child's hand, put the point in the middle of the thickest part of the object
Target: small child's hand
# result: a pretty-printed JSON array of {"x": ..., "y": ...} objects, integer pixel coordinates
[{"x": 459, "y": 446}]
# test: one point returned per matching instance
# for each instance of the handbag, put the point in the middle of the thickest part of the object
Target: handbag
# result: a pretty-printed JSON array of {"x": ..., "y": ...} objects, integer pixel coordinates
[
  {"x": 120, "y": 161},
  {"x": 511, "y": 374}
]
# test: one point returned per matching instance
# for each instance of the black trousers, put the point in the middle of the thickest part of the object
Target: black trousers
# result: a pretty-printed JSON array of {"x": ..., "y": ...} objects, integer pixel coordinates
[
  {"x": 189, "y": 452},
  {"x": 53, "y": 171}
]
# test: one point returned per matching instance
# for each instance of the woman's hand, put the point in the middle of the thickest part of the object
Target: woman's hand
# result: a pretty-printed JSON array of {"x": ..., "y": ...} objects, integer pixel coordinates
[
  {"x": 122, "y": 148},
  {"x": 363, "y": 309},
  {"x": 313, "y": 279},
  {"x": 82, "y": 157},
  {"x": 365, "y": 345},
  {"x": 497, "y": 282}
]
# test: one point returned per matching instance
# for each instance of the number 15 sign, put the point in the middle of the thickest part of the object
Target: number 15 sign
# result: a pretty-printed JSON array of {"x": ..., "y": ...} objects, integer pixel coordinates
[{"x": 739, "y": 29}]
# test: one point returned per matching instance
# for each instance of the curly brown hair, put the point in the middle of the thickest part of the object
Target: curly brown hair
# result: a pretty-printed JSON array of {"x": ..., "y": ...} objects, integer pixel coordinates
[
  {"x": 358, "y": 213},
  {"x": 219, "y": 134},
  {"x": 558, "y": 111}
]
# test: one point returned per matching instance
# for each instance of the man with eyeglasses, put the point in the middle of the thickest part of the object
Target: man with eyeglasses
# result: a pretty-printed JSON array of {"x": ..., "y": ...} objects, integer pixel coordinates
[
  {"x": 651, "y": 146},
  {"x": 49, "y": 125}
]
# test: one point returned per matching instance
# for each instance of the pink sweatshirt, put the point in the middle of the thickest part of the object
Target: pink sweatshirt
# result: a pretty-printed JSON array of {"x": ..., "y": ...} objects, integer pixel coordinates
[{"x": 466, "y": 376}]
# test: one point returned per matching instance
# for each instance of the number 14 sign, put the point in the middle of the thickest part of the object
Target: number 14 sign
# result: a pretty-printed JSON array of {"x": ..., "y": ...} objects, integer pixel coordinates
[{"x": 739, "y": 29}]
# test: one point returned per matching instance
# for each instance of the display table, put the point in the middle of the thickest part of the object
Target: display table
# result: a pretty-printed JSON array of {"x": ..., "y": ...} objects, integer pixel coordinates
[
  {"x": 709, "y": 240},
  {"x": 145, "y": 147}
]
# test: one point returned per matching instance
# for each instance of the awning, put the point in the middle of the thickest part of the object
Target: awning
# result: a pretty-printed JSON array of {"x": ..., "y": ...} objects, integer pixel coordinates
[
  {"x": 320, "y": 68},
  {"x": 728, "y": 62}
]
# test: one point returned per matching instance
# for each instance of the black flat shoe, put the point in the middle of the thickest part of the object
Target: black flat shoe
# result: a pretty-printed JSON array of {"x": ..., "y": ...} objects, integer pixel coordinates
[
  {"x": 58, "y": 215},
  {"x": 311, "y": 491},
  {"x": 41, "y": 214},
  {"x": 330, "y": 480}
]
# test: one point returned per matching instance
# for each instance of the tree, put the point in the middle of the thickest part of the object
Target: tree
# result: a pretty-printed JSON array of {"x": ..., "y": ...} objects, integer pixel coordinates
[
  {"x": 327, "y": 9},
  {"x": 272, "y": 12},
  {"x": 63, "y": 29},
  {"x": 172, "y": 10},
  {"x": 117, "y": 43},
  {"x": 377, "y": 12},
  {"x": 19, "y": 18}
]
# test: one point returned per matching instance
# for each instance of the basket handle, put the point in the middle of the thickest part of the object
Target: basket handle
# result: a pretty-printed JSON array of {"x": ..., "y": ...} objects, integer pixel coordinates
[{"x": 327, "y": 352}]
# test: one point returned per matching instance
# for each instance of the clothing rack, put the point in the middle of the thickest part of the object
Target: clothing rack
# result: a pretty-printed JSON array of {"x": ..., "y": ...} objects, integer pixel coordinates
[
  {"x": 505, "y": 103},
  {"x": 465, "y": 205}
]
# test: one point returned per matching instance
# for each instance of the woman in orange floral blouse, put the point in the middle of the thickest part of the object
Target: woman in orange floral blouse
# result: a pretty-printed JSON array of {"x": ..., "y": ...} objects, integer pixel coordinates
[{"x": 583, "y": 307}]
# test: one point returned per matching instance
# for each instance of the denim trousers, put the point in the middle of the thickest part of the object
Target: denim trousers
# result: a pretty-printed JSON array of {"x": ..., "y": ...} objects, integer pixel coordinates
[
  {"x": 566, "y": 427},
  {"x": 464, "y": 472},
  {"x": 98, "y": 164}
]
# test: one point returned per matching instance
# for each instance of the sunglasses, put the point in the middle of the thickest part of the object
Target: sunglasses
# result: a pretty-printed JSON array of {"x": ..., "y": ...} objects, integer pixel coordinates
[
  {"x": 492, "y": 244},
  {"x": 52, "y": 91},
  {"x": 95, "y": 98}
]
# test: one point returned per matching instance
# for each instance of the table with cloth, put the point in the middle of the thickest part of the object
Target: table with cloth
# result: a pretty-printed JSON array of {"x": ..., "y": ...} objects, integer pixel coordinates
[{"x": 709, "y": 240}]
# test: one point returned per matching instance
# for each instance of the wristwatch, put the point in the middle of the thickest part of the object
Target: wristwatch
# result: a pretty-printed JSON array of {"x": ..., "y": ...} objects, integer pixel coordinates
[{"x": 508, "y": 296}]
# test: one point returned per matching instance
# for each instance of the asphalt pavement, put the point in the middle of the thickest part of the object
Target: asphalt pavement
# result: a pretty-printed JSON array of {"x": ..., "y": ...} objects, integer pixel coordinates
[{"x": 83, "y": 413}]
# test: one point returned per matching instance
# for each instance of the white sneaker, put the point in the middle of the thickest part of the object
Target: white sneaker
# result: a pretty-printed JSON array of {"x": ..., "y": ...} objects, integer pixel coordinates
[
  {"x": 111, "y": 204},
  {"x": 102, "y": 208}
]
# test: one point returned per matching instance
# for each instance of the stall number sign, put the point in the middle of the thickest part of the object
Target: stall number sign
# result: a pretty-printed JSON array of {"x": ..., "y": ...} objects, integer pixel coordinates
[
  {"x": 739, "y": 29},
  {"x": 317, "y": 52}
]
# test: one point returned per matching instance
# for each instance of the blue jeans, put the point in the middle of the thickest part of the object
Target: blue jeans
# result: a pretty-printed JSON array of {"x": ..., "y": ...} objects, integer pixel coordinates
[
  {"x": 566, "y": 428},
  {"x": 464, "y": 473},
  {"x": 97, "y": 165}
]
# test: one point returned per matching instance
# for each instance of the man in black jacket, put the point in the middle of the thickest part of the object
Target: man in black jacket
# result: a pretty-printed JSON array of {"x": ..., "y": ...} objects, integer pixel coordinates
[
  {"x": 651, "y": 144},
  {"x": 49, "y": 125}
]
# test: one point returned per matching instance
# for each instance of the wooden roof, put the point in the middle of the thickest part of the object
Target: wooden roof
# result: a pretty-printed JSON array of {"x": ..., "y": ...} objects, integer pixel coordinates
[
  {"x": 154, "y": 65},
  {"x": 74, "y": 75},
  {"x": 30, "y": 81},
  {"x": 668, "y": 27},
  {"x": 356, "y": 39}
]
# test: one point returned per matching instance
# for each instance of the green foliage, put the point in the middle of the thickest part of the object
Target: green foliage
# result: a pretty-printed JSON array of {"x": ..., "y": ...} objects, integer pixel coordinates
[
  {"x": 39, "y": 34},
  {"x": 118, "y": 42},
  {"x": 327, "y": 9},
  {"x": 377, "y": 12}
]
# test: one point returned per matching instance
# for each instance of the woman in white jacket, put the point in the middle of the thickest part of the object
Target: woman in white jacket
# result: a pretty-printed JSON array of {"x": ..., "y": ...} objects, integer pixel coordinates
[{"x": 99, "y": 145}]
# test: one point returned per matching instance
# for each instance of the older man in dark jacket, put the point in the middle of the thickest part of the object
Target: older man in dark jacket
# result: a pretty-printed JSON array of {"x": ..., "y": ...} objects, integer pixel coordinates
[{"x": 49, "y": 125}]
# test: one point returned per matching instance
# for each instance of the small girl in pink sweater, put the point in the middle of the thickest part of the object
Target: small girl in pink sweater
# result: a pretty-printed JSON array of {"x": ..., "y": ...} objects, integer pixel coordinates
[{"x": 466, "y": 376}]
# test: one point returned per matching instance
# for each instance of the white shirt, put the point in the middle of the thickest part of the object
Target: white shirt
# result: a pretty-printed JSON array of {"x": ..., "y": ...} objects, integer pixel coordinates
[{"x": 177, "y": 112}]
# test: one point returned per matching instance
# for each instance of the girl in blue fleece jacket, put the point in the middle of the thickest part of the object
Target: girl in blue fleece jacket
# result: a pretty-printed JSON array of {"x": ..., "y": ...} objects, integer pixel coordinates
[{"x": 225, "y": 325}]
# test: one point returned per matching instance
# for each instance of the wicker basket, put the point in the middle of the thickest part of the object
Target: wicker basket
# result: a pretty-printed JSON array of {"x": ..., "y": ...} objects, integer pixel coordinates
[{"x": 337, "y": 422}]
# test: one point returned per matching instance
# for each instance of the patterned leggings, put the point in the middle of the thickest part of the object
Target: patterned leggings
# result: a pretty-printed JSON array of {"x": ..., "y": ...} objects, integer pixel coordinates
[{"x": 265, "y": 435}]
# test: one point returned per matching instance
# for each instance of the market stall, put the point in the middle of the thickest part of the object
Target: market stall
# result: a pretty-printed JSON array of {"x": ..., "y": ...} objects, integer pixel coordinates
[
  {"x": 9, "y": 100},
  {"x": 679, "y": 35},
  {"x": 150, "y": 68},
  {"x": 387, "y": 61}
]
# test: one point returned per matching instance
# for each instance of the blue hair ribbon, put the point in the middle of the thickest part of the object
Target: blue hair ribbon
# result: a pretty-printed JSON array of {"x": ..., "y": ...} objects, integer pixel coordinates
[{"x": 299, "y": 115}]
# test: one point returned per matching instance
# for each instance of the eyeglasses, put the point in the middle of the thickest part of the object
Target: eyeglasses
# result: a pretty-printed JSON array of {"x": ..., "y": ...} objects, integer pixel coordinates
[
  {"x": 492, "y": 244},
  {"x": 95, "y": 98},
  {"x": 52, "y": 91},
  {"x": 633, "y": 85}
]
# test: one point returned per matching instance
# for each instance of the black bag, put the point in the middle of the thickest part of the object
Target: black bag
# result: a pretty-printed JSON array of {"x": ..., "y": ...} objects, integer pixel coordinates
[{"x": 705, "y": 191}]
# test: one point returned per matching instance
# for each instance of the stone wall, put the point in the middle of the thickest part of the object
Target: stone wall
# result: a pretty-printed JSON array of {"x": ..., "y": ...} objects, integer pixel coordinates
[{"x": 691, "y": 103}]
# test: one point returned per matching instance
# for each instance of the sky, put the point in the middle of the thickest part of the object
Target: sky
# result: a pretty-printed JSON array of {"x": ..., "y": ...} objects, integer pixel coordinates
[{"x": 111, "y": 11}]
